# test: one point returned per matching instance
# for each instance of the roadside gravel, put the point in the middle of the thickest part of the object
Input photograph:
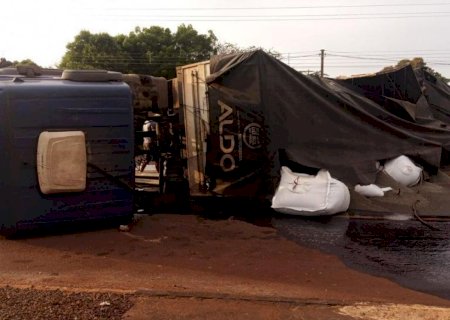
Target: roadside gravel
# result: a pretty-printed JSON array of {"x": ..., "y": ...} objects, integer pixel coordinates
[{"x": 56, "y": 304}]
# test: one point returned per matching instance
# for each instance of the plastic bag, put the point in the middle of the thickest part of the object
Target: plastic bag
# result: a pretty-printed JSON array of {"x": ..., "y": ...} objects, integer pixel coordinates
[{"x": 371, "y": 190}]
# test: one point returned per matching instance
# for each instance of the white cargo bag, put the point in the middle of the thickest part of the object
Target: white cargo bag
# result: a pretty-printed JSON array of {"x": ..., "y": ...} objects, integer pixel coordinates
[
  {"x": 371, "y": 190},
  {"x": 309, "y": 195},
  {"x": 403, "y": 170}
]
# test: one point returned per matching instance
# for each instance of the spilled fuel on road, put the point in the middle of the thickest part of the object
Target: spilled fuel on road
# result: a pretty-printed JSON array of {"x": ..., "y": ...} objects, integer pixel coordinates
[{"x": 407, "y": 252}]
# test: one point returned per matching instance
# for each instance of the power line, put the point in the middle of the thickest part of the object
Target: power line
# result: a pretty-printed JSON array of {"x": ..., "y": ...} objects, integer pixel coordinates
[
  {"x": 287, "y": 17},
  {"x": 276, "y": 19},
  {"x": 298, "y": 61},
  {"x": 281, "y": 7},
  {"x": 383, "y": 59},
  {"x": 313, "y": 61},
  {"x": 373, "y": 61},
  {"x": 389, "y": 51},
  {"x": 361, "y": 58},
  {"x": 294, "y": 57},
  {"x": 275, "y": 16},
  {"x": 335, "y": 66},
  {"x": 298, "y": 52}
]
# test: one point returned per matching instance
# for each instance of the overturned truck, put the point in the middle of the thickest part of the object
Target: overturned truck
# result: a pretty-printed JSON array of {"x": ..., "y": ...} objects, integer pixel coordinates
[{"x": 89, "y": 145}]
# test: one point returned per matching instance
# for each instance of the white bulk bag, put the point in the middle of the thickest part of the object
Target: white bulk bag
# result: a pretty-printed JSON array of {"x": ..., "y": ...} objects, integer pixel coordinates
[
  {"x": 403, "y": 170},
  {"x": 309, "y": 195}
]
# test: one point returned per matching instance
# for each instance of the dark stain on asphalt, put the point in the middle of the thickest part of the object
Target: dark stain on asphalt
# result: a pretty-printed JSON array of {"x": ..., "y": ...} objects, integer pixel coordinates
[{"x": 406, "y": 252}]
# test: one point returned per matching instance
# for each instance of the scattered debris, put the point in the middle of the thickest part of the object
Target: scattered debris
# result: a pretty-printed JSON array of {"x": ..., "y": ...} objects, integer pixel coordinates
[
  {"x": 60, "y": 304},
  {"x": 124, "y": 228},
  {"x": 395, "y": 312}
]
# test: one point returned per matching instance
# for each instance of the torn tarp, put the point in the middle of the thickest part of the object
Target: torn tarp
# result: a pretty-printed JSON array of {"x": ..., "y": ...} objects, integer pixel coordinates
[
  {"x": 437, "y": 94},
  {"x": 259, "y": 106}
]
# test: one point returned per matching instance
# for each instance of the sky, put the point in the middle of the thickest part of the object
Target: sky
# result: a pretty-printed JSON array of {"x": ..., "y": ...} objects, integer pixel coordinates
[{"x": 359, "y": 36}]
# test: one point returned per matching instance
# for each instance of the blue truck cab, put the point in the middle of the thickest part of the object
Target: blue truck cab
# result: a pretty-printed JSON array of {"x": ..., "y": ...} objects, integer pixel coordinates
[{"x": 67, "y": 148}]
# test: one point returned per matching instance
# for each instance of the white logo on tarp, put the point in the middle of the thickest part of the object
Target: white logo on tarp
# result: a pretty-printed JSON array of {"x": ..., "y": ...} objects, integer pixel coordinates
[
  {"x": 227, "y": 141},
  {"x": 252, "y": 135}
]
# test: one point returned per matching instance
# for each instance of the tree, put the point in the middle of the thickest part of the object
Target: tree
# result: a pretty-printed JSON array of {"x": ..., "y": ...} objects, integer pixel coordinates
[
  {"x": 154, "y": 50},
  {"x": 27, "y": 62},
  {"x": 193, "y": 46},
  {"x": 416, "y": 63},
  {"x": 95, "y": 51},
  {"x": 147, "y": 50},
  {"x": 5, "y": 63}
]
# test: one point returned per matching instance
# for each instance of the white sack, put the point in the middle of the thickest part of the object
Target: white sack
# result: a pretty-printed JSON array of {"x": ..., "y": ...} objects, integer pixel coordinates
[
  {"x": 403, "y": 170},
  {"x": 371, "y": 190},
  {"x": 309, "y": 195}
]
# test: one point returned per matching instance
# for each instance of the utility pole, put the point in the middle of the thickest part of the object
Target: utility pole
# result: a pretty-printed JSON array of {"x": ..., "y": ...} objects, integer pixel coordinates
[{"x": 322, "y": 57}]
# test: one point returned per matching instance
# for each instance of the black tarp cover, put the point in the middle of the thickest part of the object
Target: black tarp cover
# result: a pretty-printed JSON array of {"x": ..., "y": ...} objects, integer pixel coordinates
[
  {"x": 318, "y": 123},
  {"x": 437, "y": 94},
  {"x": 400, "y": 88}
]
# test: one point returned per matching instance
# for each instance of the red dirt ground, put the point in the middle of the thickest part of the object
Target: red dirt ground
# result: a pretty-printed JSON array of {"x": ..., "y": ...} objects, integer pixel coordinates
[{"x": 173, "y": 262}]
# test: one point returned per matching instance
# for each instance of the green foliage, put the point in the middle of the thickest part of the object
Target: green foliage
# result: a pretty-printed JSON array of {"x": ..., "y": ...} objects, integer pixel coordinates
[
  {"x": 437, "y": 74},
  {"x": 155, "y": 50},
  {"x": 27, "y": 62},
  {"x": 94, "y": 51},
  {"x": 5, "y": 63}
]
